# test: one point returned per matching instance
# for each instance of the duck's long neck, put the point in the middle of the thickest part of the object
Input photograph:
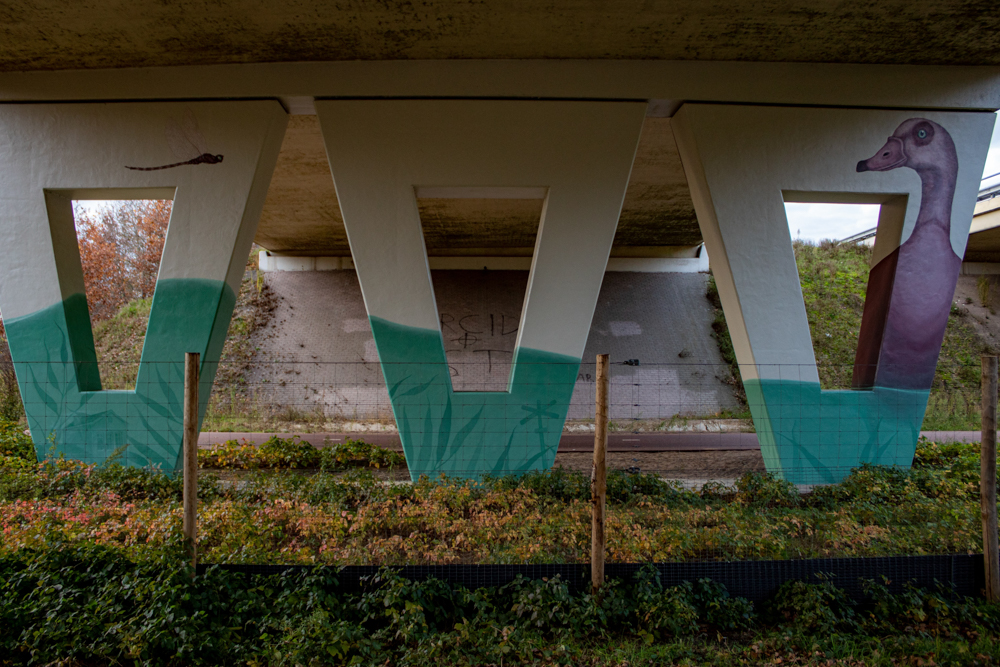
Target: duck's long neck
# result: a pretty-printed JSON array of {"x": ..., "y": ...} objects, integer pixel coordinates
[{"x": 936, "y": 195}]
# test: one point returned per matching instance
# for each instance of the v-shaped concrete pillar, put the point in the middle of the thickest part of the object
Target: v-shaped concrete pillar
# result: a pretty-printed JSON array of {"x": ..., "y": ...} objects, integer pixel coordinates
[
  {"x": 581, "y": 154},
  {"x": 52, "y": 154},
  {"x": 743, "y": 163}
]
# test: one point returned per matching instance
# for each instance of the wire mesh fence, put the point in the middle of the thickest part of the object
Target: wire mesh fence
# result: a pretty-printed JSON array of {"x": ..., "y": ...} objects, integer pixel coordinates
[{"x": 313, "y": 462}]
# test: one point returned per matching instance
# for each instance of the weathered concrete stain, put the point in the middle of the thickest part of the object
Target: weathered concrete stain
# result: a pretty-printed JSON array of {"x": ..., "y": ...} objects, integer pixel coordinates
[
  {"x": 479, "y": 223},
  {"x": 657, "y": 209},
  {"x": 64, "y": 34},
  {"x": 302, "y": 216},
  {"x": 301, "y": 212}
]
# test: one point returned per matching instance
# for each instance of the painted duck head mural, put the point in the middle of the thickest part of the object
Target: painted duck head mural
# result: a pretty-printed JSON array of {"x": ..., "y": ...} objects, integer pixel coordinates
[
  {"x": 910, "y": 289},
  {"x": 917, "y": 143},
  {"x": 927, "y": 148}
]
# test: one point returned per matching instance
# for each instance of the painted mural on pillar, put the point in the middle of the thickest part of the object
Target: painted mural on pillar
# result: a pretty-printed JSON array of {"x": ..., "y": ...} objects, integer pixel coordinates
[
  {"x": 580, "y": 154},
  {"x": 187, "y": 143},
  {"x": 910, "y": 290},
  {"x": 42, "y": 295},
  {"x": 470, "y": 433},
  {"x": 809, "y": 435},
  {"x": 56, "y": 367}
]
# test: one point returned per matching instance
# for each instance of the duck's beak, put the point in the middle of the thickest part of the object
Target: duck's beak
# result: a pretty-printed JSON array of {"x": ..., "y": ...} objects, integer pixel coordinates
[{"x": 888, "y": 157}]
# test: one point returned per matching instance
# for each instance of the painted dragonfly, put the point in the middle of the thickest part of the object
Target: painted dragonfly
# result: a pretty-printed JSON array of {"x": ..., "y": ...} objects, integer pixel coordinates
[{"x": 187, "y": 143}]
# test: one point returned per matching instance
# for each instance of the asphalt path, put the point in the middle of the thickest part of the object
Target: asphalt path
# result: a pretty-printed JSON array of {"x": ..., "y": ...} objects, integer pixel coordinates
[
  {"x": 570, "y": 442},
  {"x": 576, "y": 442}
]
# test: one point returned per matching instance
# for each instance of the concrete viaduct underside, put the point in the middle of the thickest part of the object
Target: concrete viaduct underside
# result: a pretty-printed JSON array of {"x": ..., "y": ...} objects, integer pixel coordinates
[{"x": 565, "y": 135}]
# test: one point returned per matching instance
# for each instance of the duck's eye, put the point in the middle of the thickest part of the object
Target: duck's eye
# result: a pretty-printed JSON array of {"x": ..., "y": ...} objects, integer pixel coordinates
[{"x": 922, "y": 134}]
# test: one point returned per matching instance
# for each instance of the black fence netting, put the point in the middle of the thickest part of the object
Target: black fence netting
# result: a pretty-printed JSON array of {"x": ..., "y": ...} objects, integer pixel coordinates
[{"x": 959, "y": 574}]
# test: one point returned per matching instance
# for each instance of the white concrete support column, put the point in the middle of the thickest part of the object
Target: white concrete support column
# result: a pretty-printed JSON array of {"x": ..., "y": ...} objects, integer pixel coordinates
[
  {"x": 742, "y": 164},
  {"x": 581, "y": 154},
  {"x": 214, "y": 159}
]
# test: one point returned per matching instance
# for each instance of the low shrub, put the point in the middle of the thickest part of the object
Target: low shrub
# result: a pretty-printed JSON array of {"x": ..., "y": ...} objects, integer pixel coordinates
[
  {"x": 62, "y": 478},
  {"x": 52, "y": 478},
  {"x": 138, "y": 483},
  {"x": 354, "y": 517},
  {"x": 357, "y": 453},
  {"x": 563, "y": 485},
  {"x": 399, "y": 609},
  {"x": 14, "y": 442},
  {"x": 930, "y": 612},
  {"x": 545, "y": 603},
  {"x": 763, "y": 489},
  {"x": 628, "y": 487},
  {"x": 818, "y": 608},
  {"x": 558, "y": 484},
  {"x": 662, "y": 613},
  {"x": 275, "y": 452},
  {"x": 294, "y": 453},
  {"x": 716, "y": 607}
]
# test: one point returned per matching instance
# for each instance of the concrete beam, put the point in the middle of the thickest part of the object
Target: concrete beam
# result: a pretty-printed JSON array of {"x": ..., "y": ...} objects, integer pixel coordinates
[
  {"x": 270, "y": 262},
  {"x": 668, "y": 82},
  {"x": 302, "y": 217}
]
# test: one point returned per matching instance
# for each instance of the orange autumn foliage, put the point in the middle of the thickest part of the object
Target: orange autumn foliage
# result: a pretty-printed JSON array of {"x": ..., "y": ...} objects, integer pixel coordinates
[{"x": 120, "y": 248}]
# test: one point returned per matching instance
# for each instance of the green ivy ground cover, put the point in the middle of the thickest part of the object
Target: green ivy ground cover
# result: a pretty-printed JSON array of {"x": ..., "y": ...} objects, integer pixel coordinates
[
  {"x": 80, "y": 604},
  {"x": 91, "y": 571}
]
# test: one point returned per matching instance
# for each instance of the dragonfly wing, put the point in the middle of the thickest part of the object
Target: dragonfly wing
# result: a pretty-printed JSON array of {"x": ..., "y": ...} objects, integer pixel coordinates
[
  {"x": 184, "y": 138},
  {"x": 177, "y": 140},
  {"x": 192, "y": 132}
]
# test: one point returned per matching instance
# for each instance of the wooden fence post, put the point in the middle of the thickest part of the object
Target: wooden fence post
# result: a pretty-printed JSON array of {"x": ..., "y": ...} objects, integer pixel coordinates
[
  {"x": 191, "y": 362},
  {"x": 988, "y": 479},
  {"x": 598, "y": 480}
]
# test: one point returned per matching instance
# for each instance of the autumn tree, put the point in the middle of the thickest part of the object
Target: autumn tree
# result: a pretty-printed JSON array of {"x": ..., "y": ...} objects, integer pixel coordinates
[{"x": 120, "y": 248}]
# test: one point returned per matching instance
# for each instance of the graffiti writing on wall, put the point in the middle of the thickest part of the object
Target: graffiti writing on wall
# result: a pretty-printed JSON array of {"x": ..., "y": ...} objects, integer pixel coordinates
[{"x": 479, "y": 348}]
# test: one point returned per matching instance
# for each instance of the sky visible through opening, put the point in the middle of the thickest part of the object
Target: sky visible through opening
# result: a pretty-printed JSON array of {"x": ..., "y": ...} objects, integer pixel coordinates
[{"x": 815, "y": 222}]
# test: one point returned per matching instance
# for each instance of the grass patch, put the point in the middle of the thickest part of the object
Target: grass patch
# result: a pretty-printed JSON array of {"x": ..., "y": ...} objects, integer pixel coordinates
[
  {"x": 119, "y": 340},
  {"x": 834, "y": 279}
]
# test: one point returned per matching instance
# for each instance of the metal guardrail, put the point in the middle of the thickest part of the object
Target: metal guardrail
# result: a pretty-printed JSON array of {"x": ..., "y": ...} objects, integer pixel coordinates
[{"x": 860, "y": 236}]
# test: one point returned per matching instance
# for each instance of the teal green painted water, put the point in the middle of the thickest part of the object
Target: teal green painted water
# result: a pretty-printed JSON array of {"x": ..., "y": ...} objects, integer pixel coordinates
[
  {"x": 810, "y": 436},
  {"x": 53, "y": 352},
  {"x": 81, "y": 342},
  {"x": 468, "y": 434}
]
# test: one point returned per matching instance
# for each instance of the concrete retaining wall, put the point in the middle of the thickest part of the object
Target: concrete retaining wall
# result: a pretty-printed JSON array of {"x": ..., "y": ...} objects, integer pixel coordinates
[{"x": 320, "y": 353}]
